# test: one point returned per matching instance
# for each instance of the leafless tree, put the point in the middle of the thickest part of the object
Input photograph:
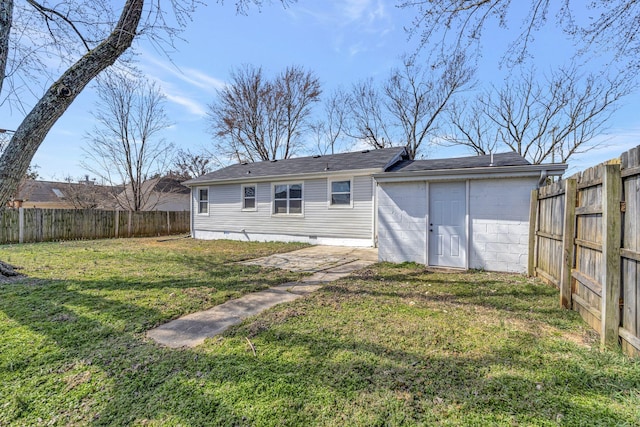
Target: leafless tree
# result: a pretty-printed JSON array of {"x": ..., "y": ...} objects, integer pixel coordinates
[
  {"x": 125, "y": 147},
  {"x": 417, "y": 98},
  {"x": 543, "y": 120},
  {"x": 329, "y": 132},
  {"x": 368, "y": 120},
  {"x": 188, "y": 164},
  {"x": 256, "y": 118},
  {"x": 611, "y": 25},
  {"x": 408, "y": 108},
  {"x": 469, "y": 126},
  {"x": 86, "y": 37}
]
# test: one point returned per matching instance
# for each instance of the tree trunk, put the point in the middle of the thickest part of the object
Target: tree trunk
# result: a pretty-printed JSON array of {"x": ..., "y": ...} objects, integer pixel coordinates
[
  {"x": 23, "y": 145},
  {"x": 6, "y": 16}
]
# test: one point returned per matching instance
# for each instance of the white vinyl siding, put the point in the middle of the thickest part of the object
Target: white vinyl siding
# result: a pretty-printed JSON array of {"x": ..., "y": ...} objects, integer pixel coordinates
[{"x": 226, "y": 213}]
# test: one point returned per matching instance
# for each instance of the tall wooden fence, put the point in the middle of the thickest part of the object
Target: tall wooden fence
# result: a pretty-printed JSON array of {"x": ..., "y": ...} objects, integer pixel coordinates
[
  {"x": 585, "y": 240},
  {"x": 44, "y": 225}
]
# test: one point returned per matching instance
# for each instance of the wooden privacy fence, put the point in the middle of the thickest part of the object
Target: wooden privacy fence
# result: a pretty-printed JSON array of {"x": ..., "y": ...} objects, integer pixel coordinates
[
  {"x": 44, "y": 225},
  {"x": 585, "y": 240}
]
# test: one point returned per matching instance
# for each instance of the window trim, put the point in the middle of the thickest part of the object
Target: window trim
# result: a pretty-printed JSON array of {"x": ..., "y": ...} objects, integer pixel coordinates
[
  {"x": 273, "y": 199},
  {"x": 330, "y": 192},
  {"x": 243, "y": 198},
  {"x": 198, "y": 201}
]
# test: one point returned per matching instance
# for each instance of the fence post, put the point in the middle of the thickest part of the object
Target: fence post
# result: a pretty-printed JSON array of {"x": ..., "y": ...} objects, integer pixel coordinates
[
  {"x": 130, "y": 224},
  {"x": 611, "y": 235},
  {"x": 117, "y": 223},
  {"x": 20, "y": 225},
  {"x": 568, "y": 235},
  {"x": 168, "y": 223},
  {"x": 533, "y": 221}
]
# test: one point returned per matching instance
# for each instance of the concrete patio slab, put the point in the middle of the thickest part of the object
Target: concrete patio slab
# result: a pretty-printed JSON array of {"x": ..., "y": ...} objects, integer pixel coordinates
[{"x": 327, "y": 263}]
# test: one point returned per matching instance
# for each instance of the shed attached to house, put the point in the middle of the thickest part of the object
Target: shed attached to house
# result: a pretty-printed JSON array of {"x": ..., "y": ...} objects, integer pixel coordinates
[
  {"x": 470, "y": 212},
  {"x": 319, "y": 199}
]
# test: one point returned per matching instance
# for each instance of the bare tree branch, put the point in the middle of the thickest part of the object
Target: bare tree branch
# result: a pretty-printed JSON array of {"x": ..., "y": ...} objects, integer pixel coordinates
[
  {"x": 124, "y": 148},
  {"x": 408, "y": 109},
  {"x": 612, "y": 25},
  {"x": 548, "y": 120},
  {"x": 261, "y": 119}
]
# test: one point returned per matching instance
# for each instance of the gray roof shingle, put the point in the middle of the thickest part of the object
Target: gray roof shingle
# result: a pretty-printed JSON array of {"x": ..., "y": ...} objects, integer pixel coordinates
[
  {"x": 500, "y": 159},
  {"x": 329, "y": 164}
]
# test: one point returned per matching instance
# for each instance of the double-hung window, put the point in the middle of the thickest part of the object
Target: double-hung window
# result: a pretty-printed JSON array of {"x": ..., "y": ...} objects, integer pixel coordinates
[
  {"x": 340, "y": 193},
  {"x": 203, "y": 200},
  {"x": 287, "y": 199},
  {"x": 249, "y": 197}
]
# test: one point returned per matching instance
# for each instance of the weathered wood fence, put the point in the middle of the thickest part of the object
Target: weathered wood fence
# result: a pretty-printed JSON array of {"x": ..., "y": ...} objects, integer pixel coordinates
[
  {"x": 44, "y": 225},
  {"x": 585, "y": 240}
]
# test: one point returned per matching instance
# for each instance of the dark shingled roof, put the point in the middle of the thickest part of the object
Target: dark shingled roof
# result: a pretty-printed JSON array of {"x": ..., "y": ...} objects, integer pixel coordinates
[
  {"x": 501, "y": 159},
  {"x": 368, "y": 159}
]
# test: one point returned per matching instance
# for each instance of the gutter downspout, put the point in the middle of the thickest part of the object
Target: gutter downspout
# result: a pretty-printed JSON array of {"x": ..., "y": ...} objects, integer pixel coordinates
[{"x": 543, "y": 177}]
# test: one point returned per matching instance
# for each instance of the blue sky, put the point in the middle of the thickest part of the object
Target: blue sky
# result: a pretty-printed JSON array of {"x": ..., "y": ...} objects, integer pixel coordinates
[{"x": 342, "y": 41}]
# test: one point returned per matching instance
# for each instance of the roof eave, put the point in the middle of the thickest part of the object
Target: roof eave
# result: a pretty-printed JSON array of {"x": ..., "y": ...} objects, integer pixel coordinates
[
  {"x": 556, "y": 169},
  {"x": 312, "y": 175}
]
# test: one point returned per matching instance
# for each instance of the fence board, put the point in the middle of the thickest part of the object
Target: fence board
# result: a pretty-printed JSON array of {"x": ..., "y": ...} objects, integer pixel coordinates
[
  {"x": 549, "y": 232},
  {"x": 630, "y": 292},
  {"x": 603, "y": 252},
  {"x": 45, "y": 225}
]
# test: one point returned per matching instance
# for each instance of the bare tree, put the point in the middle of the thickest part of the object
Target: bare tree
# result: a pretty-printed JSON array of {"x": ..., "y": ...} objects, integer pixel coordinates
[
  {"x": 86, "y": 39},
  {"x": 329, "y": 132},
  {"x": 368, "y": 121},
  {"x": 470, "y": 127},
  {"x": 611, "y": 25},
  {"x": 125, "y": 147},
  {"x": 188, "y": 164},
  {"x": 260, "y": 119},
  {"x": 408, "y": 108},
  {"x": 542, "y": 120},
  {"x": 417, "y": 98}
]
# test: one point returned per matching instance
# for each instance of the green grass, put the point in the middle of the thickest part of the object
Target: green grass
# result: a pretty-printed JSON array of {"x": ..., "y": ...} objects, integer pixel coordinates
[{"x": 391, "y": 345}]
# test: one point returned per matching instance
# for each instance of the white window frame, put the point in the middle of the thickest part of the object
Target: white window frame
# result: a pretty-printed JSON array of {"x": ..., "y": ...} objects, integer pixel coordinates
[
  {"x": 243, "y": 198},
  {"x": 330, "y": 181},
  {"x": 288, "y": 199},
  {"x": 198, "y": 200}
]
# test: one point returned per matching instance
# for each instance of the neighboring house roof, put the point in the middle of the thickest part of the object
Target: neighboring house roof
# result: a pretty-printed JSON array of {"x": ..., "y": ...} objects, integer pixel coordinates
[
  {"x": 163, "y": 194},
  {"x": 167, "y": 184},
  {"x": 42, "y": 191},
  {"x": 52, "y": 194},
  {"x": 378, "y": 160}
]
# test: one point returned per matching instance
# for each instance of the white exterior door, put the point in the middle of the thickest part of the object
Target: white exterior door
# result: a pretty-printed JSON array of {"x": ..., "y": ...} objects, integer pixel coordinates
[{"x": 447, "y": 224}]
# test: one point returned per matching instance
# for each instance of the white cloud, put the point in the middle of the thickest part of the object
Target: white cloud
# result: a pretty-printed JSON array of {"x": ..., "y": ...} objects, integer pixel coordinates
[
  {"x": 363, "y": 11},
  {"x": 188, "y": 75},
  {"x": 194, "y": 107}
]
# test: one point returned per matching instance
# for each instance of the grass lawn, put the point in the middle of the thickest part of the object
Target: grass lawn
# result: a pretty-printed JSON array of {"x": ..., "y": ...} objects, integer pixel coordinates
[{"x": 391, "y": 345}]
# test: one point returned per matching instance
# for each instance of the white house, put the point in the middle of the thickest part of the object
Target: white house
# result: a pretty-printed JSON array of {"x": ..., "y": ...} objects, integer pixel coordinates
[
  {"x": 327, "y": 200},
  {"x": 467, "y": 212}
]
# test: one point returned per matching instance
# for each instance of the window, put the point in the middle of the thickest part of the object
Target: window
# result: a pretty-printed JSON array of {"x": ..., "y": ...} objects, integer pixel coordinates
[
  {"x": 340, "y": 193},
  {"x": 249, "y": 197},
  {"x": 287, "y": 199},
  {"x": 203, "y": 200}
]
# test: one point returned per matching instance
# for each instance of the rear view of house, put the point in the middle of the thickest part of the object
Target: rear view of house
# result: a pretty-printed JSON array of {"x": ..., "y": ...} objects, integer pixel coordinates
[
  {"x": 319, "y": 199},
  {"x": 470, "y": 212}
]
